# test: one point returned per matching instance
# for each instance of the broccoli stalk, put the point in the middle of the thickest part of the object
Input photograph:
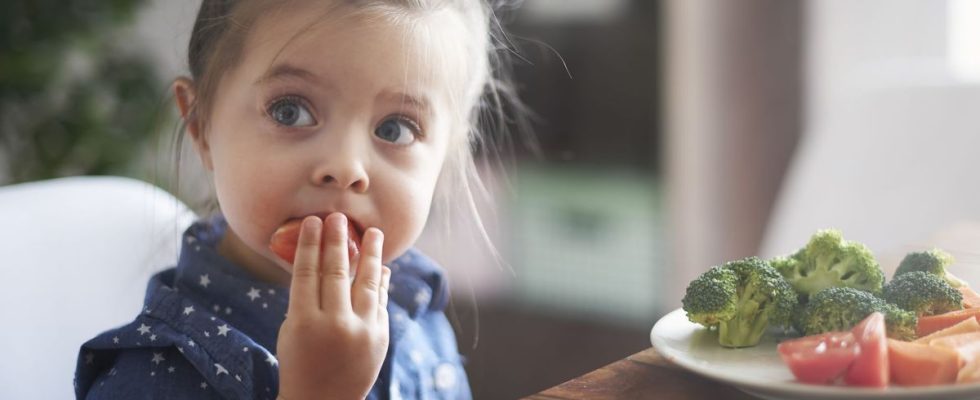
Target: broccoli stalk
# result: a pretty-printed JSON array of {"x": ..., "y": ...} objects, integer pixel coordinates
[
  {"x": 828, "y": 261},
  {"x": 740, "y": 299},
  {"x": 749, "y": 324}
]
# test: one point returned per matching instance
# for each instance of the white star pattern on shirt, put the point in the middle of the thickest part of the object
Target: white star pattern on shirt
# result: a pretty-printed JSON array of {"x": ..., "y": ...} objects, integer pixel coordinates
[
  {"x": 216, "y": 308},
  {"x": 416, "y": 357},
  {"x": 89, "y": 358},
  {"x": 207, "y": 334},
  {"x": 221, "y": 370},
  {"x": 190, "y": 343},
  {"x": 153, "y": 337},
  {"x": 143, "y": 329},
  {"x": 205, "y": 280},
  {"x": 238, "y": 377},
  {"x": 223, "y": 330},
  {"x": 253, "y": 294},
  {"x": 188, "y": 310},
  {"x": 227, "y": 310},
  {"x": 158, "y": 358},
  {"x": 271, "y": 360},
  {"x": 171, "y": 370},
  {"x": 422, "y": 297},
  {"x": 204, "y": 385},
  {"x": 265, "y": 305},
  {"x": 115, "y": 340},
  {"x": 272, "y": 291}
]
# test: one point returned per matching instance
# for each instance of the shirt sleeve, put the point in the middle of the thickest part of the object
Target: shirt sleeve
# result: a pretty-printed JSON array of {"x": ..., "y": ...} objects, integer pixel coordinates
[{"x": 150, "y": 373}]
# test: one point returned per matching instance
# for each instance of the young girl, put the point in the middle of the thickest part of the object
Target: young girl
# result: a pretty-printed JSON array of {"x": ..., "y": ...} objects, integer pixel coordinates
[{"x": 341, "y": 116}]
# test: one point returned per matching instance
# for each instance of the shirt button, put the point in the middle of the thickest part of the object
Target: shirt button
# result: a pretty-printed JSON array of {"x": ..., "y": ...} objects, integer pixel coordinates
[{"x": 445, "y": 376}]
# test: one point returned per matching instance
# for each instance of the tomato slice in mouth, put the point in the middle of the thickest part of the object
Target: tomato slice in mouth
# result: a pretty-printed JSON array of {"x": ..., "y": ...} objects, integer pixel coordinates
[{"x": 284, "y": 241}]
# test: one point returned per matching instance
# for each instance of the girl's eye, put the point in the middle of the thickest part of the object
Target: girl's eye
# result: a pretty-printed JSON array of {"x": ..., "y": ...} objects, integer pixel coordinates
[
  {"x": 398, "y": 130},
  {"x": 290, "y": 111}
]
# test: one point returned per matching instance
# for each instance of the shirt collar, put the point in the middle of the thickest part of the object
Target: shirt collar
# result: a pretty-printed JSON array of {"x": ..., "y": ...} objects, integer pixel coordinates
[{"x": 255, "y": 307}]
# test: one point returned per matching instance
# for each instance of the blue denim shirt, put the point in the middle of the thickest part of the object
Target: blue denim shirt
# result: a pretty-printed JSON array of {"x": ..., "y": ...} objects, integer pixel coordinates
[{"x": 208, "y": 330}]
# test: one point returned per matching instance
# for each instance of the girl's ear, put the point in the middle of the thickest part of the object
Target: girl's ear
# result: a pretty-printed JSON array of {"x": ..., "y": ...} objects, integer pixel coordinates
[{"x": 185, "y": 96}]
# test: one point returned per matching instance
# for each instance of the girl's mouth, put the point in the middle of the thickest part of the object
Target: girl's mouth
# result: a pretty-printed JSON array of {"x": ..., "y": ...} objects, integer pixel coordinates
[{"x": 284, "y": 241}]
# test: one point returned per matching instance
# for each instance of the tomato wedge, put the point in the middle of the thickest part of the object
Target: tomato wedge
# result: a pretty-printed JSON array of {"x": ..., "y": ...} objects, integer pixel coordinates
[
  {"x": 820, "y": 359},
  {"x": 870, "y": 368},
  {"x": 283, "y": 241}
]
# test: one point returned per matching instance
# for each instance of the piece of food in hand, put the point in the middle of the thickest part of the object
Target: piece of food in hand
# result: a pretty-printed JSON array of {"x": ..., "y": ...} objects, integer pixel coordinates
[
  {"x": 819, "y": 359},
  {"x": 741, "y": 299},
  {"x": 970, "y": 298},
  {"x": 933, "y": 323},
  {"x": 870, "y": 368},
  {"x": 284, "y": 241},
  {"x": 922, "y": 293},
  {"x": 828, "y": 261},
  {"x": 916, "y": 364},
  {"x": 966, "y": 326},
  {"x": 839, "y": 309},
  {"x": 933, "y": 262}
]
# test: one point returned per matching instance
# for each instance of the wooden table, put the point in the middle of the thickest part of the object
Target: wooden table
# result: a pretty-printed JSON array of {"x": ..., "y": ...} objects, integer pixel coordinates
[{"x": 644, "y": 375}]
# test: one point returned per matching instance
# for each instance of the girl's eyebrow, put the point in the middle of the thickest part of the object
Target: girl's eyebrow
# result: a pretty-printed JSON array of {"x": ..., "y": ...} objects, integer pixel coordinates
[
  {"x": 395, "y": 96},
  {"x": 281, "y": 71}
]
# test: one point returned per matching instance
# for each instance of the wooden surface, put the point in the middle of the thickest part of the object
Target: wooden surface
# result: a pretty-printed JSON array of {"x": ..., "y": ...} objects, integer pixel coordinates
[{"x": 644, "y": 375}]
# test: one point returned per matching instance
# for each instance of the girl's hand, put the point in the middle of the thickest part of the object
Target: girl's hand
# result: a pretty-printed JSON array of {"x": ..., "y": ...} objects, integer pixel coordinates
[{"x": 335, "y": 336}]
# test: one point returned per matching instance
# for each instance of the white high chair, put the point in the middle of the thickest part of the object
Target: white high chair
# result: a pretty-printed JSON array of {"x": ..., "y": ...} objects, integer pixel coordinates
[{"x": 76, "y": 256}]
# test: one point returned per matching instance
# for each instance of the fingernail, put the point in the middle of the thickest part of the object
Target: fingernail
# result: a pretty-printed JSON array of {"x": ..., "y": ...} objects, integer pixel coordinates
[
  {"x": 377, "y": 239},
  {"x": 311, "y": 224}
]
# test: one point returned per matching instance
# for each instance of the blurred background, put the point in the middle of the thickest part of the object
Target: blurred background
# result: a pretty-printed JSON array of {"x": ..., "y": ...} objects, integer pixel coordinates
[{"x": 674, "y": 135}]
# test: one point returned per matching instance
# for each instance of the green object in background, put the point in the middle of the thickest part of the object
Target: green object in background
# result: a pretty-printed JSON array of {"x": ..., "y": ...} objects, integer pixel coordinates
[
  {"x": 589, "y": 243},
  {"x": 71, "y": 101}
]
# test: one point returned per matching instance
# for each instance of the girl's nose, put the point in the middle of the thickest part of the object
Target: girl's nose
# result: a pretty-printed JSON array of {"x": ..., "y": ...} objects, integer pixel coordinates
[{"x": 343, "y": 172}]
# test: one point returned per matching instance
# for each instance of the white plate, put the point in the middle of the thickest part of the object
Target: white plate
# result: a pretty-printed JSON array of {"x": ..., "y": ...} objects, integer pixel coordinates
[{"x": 759, "y": 370}]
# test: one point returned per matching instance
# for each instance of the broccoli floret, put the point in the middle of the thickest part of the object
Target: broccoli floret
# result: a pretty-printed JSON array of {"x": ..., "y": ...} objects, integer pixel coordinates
[
  {"x": 934, "y": 262},
  {"x": 840, "y": 308},
  {"x": 741, "y": 299},
  {"x": 899, "y": 324},
  {"x": 710, "y": 298},
  {"x": 923, "y": 293},
  {"x": 828, "y": 261}
]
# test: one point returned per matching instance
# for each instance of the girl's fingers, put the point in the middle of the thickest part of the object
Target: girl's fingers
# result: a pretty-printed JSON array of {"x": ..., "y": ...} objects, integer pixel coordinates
[
  {"x": 335, "y": 266},
  {"x": 304, "y": 294},
  {"x": 383, "y": 293},
  {"x": 367, "y": 283}
]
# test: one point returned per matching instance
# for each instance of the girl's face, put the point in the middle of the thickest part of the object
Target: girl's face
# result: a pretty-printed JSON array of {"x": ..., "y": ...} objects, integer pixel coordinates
[{"x": 353, "y": 115}]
